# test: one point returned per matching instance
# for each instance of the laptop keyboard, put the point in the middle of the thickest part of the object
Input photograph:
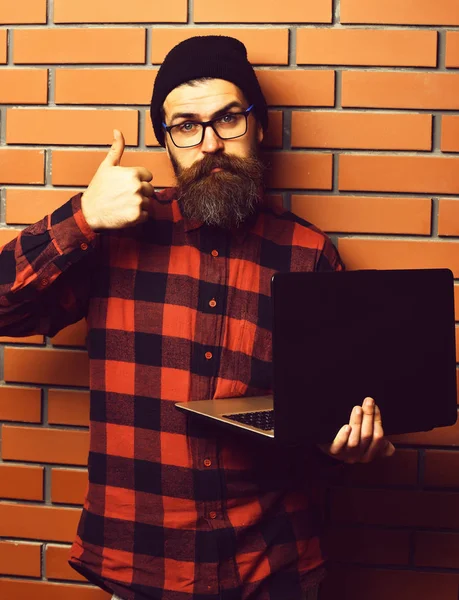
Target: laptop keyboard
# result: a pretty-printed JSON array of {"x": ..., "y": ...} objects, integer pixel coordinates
[{"x": 263, "y": 419}]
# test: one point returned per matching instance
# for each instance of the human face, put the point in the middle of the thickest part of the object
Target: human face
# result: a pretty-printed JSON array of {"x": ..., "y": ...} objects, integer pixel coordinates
[
  {"x": 219, "y": 181},
  {"x": 201, "y": 102}
]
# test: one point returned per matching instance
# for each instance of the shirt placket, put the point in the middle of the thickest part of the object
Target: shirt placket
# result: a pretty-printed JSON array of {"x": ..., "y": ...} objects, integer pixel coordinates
[{"x": 209, "y": 334}]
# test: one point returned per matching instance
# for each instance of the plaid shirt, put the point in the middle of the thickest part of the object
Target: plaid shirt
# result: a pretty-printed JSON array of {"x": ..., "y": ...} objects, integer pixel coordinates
[{"x": 176, "y": 310}]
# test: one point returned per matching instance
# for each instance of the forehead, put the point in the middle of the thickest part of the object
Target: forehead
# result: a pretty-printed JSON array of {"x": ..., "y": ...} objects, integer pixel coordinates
[{"x": 203, "y": 98}]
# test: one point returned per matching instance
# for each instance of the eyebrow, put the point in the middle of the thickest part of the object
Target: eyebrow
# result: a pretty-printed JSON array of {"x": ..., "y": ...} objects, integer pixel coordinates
[{"x": 218, "y": 113}]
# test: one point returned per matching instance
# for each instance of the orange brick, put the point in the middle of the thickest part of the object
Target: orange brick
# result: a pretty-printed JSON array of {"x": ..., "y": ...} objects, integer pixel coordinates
[
  {"x": 23, "y": 86},
  {"x": 36, "y": 444},
  {"x": 298, "y": 87},
  {"x": 289, "y": 11},
  {"x": 68, "y": 486},
  {"x": 8, "y": 234},
  {"x": 73, "y": 167},
  {"x": 106, "y": 11},
  {"x": 15, "y": 589},
  {"x": 57, "y": 566},
  {"x": 452, "y": 49},
  {"x": 360, "y": 214},
  {"x": 264, "y": 46},
  {"x": 450, "y": 133},
  {"x": 20, "y": 559},
  {"x": 29, "y": 205},
  {"x": 58, "y": 367},
  {"x": 456, "y": 308},
  {"x": 26, "y": 11},
  {"x": 68, "y": 407},
  {"x": 428, "y": 174},
  {"x": 73, "y": 335},
  {"x": 274, "y": 136},
  {"x": 399, "y": 469},
  {"x": 399, "y": 254},
  {"x": 31, "y": 339},
  {"x": 20, "y": 404},
  {"x": 424, "y": 12},
  {"x": 353, "y": 583},
  {"x": 442, "y": 436},
  {"x": 69, "y": 126},
  {"x": 93, "y": 45},
  {"x": 3, "y": 46},
  {"x": 407, "y": 508},
  {"x": 437, "y": 550},
  {"x": 299, "y": 170},
  {"x": 378, "y": 47},
  {"x": 21, "y": 482},
  {"x": 361, "y": 130},
  {"x": 381, "y": 89},
  {"x": 448, "y": 217},
  {"x": 442, "y": 468},
  {"x": 368, "y": 546},
  {"x": 12, "y": 166},
  {"x": 149, "y": 134},
  {"x": 38, "y": 523},
  {"x": 104, "y": 86}
]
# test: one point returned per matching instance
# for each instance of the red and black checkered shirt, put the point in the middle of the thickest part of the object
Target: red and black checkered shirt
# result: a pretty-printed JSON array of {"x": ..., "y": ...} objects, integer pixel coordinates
[{"x": 176, "y": 311}]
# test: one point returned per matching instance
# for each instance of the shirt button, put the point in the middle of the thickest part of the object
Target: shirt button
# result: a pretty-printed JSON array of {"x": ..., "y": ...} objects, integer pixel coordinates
[
  {"x": 208, "y": 355},
  {"x": 213, "y": 303},
  {"x": 207, "y": 462},
  {"x": 213, "y": 514},
  {"x": 44, "y": 282},
  {"x": 214, "y": 253},
  {"x": 84, "y": 246}
]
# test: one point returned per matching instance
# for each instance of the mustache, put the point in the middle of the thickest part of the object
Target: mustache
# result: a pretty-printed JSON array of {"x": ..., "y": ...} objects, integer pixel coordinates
[{"x": 226, "y": 162}]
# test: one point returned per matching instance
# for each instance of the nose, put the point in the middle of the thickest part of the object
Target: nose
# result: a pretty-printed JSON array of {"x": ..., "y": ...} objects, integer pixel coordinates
[{"x": 211, "y": 142}]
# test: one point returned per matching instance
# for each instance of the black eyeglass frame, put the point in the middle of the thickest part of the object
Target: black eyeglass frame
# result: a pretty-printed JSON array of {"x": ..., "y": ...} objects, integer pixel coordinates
[{"x": 210, "y": 123}]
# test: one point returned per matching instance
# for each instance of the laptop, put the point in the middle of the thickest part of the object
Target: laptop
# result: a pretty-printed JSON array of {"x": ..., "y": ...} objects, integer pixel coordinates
[{"x": 341, "y": 336}]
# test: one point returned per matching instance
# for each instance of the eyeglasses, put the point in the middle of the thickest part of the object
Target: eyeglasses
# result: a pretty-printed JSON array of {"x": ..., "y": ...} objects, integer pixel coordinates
[{"x": 227, "y": 127}]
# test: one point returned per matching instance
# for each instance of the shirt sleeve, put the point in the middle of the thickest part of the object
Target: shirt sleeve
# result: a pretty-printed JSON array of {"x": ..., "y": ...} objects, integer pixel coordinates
[
  {"x": 329, "y": 258},
  {"x": 45, "y": 273}
]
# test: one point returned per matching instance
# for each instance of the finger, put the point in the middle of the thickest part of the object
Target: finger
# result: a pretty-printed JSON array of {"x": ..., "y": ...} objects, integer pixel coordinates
[
  {"x": 143, "y": 174},
  {"x": 143, "y": 216},
  {"x": 378, "y": 441},
  {"x": 146, "y": 189},
  {"x": 145, "y": 204},
  {"x": 356, "y": 423},
  {"x": 340, "y": 441},
  {"x": 366, "y": 433},
  {"x": 113, "y": 158},
  {"x": 389, "y": 449}
]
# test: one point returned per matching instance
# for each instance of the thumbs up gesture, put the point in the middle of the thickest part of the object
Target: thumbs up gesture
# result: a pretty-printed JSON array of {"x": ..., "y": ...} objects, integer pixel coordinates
[{"x": 117, "y": 196}]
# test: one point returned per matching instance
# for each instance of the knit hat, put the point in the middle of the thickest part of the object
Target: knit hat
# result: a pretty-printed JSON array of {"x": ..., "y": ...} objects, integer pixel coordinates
[{"x": 216, "y": 56}]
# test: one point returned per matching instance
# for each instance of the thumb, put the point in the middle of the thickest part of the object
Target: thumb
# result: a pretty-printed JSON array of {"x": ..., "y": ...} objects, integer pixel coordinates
[{"x": 115, "y": 153}]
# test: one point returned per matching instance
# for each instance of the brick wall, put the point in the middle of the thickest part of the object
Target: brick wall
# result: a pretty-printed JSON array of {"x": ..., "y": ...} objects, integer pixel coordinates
[{"x": 364, "y": 143}]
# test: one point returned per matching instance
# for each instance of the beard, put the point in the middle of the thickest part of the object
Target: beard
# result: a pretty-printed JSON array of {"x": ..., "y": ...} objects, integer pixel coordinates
[{"x": 224, "y": 198}]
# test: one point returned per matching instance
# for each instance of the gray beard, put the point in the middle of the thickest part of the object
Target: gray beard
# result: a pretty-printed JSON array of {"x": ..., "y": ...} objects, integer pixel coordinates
[
  {"x": 225, "y": 198},
  {"x": 224, "y": 203}
]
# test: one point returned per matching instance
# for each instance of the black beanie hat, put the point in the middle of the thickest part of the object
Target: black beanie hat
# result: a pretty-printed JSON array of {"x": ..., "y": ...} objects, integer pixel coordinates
[{"x": 216, "y": 56}]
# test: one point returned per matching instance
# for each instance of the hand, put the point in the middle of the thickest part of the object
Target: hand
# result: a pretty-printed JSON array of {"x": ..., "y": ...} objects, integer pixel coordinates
[
  {"x": 117, "y": 196},
  {"x": 362, "y": 440}
]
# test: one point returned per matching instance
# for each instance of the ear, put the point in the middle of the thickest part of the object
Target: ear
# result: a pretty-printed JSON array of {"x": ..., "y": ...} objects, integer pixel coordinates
[{"x": 260, "y": 133}]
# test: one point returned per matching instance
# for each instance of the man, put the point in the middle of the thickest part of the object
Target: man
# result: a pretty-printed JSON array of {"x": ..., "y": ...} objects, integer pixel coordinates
[{"x": 175, "y": 289}]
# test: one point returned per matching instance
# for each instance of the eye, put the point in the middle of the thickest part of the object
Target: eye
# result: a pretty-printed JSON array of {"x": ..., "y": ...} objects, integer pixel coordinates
[
  {"x": 187, "y": 127},
  {"x": 228, "y": 118}
]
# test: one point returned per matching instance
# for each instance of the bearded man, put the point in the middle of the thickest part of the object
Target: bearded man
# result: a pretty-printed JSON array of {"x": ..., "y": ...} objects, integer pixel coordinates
[{"x": 175, "y": 287}]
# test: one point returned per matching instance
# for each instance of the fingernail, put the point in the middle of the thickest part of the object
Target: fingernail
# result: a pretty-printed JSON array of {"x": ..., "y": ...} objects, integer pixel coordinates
[{"x": 368, "y": 402}]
